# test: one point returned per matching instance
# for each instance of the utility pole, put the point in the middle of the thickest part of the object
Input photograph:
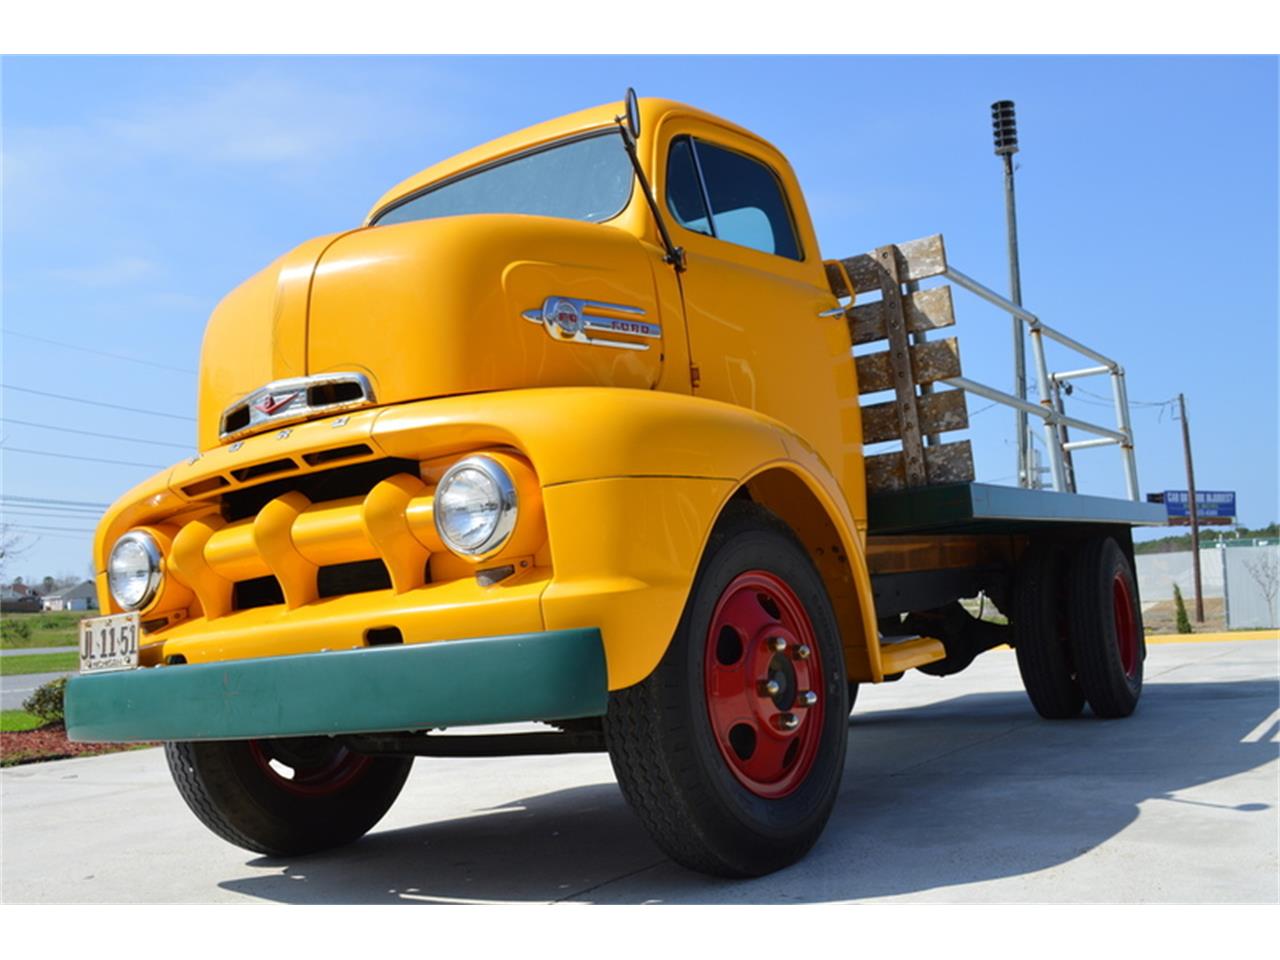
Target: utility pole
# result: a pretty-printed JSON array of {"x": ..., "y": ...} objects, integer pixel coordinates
[
  {"x": 1005, "y": 131},
  {"x": 1191, "y": 508}
]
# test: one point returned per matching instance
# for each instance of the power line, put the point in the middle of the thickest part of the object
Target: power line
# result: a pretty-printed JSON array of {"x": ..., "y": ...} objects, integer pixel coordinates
[
  {"x": 50, "y": 511},
  {"x": 96, "y": 403},
  {"x": 10, "y": 512},
  {"x": 80, "y": 538},
  {"x": 75, "y": 503},
  {"x": 59, "y": 508},
  {"x": 58, "y": 529},
  {"x": 100, "y": 353},
  {"x": 71, "y": 456},
  {"x": 90, "y": 433}
]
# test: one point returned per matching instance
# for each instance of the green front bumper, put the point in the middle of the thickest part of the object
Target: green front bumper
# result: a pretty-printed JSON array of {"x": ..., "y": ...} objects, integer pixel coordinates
[{"x": 534, "y": 676}]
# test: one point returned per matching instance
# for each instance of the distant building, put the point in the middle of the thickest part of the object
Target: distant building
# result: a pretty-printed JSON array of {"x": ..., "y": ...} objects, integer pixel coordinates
[
  {"x": 18, "y": 601},
  {"x": 81, "y": 597}
]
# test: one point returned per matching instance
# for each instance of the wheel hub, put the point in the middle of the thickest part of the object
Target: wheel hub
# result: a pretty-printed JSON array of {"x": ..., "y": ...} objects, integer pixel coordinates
[
  {"x": 308, "y": 766},
  {"x": 1126, "y": 627},
  {"x": 763, "y": 684}
]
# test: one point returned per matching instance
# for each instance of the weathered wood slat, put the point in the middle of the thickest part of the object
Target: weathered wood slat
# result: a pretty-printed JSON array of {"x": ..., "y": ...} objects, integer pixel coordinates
[
  {"x": 938, "y": 413},
  {"x": 917, "y": 260},
  {"x": 930, "y": 362},
  {"x": 925, "y": 310},
  {"x": 904, "y": 384},
  {"x": 945, "y": 463}
]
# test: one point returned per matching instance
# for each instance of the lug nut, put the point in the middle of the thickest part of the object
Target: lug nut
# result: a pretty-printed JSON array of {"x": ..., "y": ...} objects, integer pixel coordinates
[
  {"x": 802, "y": 652},
  {"x": 788, "y": 721},
  {"x": 778, "y": 643},
  {"x": 807, "y": 699},
  {"x": 770, "y": 688}
]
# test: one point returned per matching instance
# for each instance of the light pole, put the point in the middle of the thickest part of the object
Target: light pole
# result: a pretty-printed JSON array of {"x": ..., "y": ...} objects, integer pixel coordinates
[{"x": 1005, "y": 130}]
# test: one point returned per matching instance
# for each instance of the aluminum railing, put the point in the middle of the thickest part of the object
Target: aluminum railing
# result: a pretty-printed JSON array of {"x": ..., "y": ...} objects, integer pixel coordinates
[{"x": 1055, "y": 421}]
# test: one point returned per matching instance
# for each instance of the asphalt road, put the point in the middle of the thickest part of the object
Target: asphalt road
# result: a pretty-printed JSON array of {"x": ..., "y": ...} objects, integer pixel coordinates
[
  {"x": 954, "y": 791},
  {"x": 14, "y": 689}
]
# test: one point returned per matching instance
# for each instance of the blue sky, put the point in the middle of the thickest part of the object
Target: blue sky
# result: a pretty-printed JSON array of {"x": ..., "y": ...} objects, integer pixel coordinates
[{"x": 137, "y": 191}]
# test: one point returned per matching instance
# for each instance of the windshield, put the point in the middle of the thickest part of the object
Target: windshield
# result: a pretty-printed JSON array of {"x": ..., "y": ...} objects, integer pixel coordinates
[{"x": 582, "y": 179}]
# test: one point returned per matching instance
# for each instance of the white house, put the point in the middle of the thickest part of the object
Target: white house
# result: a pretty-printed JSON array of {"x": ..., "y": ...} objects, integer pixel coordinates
[{"x": 81, "y": 597}]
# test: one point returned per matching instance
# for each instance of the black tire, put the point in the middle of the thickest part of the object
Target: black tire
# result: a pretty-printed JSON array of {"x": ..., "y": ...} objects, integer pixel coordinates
[
  {"x": 662, "y": 741},
  {"x": 1107, "y": 640},
  {"x": 1041, "y": 634},
  {"x": 339, "y": 796},
  {"x": 853, "y": 694}
]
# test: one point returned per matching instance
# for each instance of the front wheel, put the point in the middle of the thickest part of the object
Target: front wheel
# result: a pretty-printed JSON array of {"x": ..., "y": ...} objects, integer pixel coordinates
[
  {"x": 285, "y": 797},
  {"x": 732, "y": 750}
]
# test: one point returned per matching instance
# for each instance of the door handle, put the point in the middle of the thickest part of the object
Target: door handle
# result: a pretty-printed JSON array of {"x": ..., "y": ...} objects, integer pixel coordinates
[{"x": 833, "y": 312}]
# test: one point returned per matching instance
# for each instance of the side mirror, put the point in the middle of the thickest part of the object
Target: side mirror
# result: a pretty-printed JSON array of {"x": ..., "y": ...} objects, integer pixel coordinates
[{"x": 633, "y": 113}]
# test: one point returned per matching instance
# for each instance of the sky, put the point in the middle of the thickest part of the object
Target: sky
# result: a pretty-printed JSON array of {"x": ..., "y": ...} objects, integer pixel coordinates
[{"x": 138, "y": 191}]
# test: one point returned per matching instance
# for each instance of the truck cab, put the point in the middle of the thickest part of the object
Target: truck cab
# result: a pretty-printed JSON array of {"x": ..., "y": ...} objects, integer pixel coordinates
[{"x": 568, "y": 430}]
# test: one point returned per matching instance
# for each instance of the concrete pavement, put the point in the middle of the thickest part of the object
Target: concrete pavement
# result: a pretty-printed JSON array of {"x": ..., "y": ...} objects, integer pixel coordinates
[{"x": 954, "y": 791}]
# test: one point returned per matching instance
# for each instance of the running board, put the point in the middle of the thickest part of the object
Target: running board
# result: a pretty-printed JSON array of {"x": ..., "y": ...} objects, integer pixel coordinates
[{"x": 897, "y": 657}]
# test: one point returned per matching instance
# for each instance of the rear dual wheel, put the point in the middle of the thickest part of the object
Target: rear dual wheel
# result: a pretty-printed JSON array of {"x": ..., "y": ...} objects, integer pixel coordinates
[
  {"x": 1107, "y": 642},
  {"x": 731, "y": 751},
  {"x": 1078, "y": 629}
]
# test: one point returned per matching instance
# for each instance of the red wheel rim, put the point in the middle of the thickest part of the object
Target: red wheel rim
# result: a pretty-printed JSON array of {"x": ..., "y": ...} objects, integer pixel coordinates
[
  {"x": 1126, "y": 625},
  {"x": 310, "y": 773},
  {"x": 763, "y": 683}
]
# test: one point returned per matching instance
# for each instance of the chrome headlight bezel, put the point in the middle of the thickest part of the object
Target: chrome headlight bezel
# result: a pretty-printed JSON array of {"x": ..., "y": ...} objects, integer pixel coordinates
[
  {"x": 154, "y": 576},
  {"x": 507, "y": 501}
]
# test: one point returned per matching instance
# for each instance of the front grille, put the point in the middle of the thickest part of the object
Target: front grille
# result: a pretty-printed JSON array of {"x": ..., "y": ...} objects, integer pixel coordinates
[
  {"x": 353, "y": 481},
  {"x": 339, "y": 579},
  {"x": 333, "y": 580},
  {"x": 297, "y": 538},
  {"x": 258, "y": 592}
]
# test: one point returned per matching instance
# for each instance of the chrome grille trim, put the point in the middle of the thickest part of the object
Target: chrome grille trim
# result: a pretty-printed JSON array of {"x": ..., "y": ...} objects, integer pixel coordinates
[{"x": 289, "y": 401}]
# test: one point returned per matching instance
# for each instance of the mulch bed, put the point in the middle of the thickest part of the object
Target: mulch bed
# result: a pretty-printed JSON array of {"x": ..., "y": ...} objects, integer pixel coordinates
[{"x": 51, "y": 743}]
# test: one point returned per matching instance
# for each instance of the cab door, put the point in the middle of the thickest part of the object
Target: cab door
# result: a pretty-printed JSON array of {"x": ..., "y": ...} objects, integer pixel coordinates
[{"x": 755, "y": 291}]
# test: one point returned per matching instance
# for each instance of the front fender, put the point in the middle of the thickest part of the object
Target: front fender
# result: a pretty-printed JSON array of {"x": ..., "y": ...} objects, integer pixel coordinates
[{"x": 633, "y": 483}]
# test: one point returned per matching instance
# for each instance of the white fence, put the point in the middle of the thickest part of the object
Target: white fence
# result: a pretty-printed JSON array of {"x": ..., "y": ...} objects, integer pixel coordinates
[
  {"x": 1158, "y": 572},
  {"x": 1247, "y": 577},
  {"x": 1252, "y": 575}
]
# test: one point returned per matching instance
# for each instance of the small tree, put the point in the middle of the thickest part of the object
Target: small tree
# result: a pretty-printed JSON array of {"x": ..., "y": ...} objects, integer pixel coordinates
[
  {"x": 1265, "y": 570},
  {"x": 1184, "y": 622},
  {"x": 46, "y": 702}
]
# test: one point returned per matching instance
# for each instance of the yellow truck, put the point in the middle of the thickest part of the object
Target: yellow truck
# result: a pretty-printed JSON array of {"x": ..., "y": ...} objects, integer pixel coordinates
[{"x": 572, "y": 430}]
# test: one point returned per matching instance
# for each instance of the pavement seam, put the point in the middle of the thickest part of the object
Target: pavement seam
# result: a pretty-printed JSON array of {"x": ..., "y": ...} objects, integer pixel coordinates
[{"x": 604, "y": 883}]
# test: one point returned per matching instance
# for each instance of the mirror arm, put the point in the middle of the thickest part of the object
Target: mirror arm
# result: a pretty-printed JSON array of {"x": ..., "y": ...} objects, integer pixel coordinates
[{"x": 675, "y": 255}]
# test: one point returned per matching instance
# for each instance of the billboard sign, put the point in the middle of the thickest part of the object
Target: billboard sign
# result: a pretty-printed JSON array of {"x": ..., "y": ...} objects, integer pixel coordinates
[{"x": 1211, "y": 505}]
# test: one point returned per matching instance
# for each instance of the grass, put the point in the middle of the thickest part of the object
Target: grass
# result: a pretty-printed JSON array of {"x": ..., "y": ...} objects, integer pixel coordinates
[
  {"x": 41, "y": 663},
  {"x": 22, "y": 631},
  {"x": 15, "y": 721}
]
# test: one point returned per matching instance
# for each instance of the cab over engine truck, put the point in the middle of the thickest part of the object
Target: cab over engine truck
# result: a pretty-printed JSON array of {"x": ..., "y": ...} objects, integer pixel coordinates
[{"x": 569, "y": 431}]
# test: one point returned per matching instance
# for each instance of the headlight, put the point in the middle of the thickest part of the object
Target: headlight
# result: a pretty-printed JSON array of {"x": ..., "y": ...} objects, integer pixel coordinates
[
  {"x": 475, "y": 506},
  {"x": 133, "y": 570}
]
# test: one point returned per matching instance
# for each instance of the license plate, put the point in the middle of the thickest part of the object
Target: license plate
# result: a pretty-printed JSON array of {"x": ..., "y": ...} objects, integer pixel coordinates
[{"x": 109, "y": 643}]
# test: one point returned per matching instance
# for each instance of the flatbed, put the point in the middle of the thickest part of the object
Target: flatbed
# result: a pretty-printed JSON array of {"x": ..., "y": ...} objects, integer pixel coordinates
[{"x": 954, "y": 508}]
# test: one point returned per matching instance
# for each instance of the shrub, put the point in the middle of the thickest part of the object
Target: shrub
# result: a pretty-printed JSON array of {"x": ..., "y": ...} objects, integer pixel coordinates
[
  {"x": 11, "y": 629},
  {"x": 46, "y": 702},
  {"x": 1184, "y": 622}
]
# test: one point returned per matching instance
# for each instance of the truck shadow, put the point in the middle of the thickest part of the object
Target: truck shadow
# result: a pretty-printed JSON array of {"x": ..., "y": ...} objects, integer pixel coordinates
[{"x": 961, "y": 791}]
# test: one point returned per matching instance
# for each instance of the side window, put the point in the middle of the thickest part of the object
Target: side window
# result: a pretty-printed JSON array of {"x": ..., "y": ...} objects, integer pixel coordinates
[
  {"x": 747, "y": 203},
  {"x": 684, "y": 192}
]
